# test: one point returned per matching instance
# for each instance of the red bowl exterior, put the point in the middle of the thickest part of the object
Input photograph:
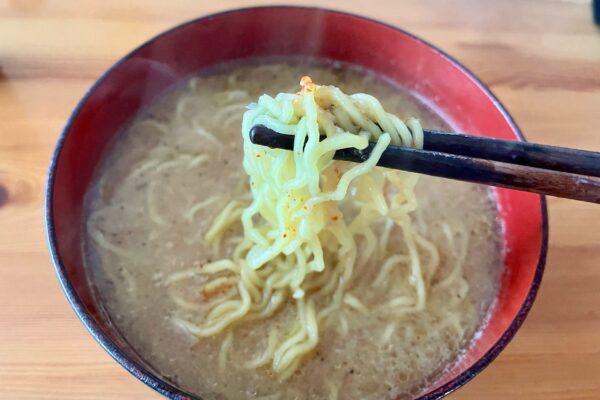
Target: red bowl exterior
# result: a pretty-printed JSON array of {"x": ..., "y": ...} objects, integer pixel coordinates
[{"x": 147, "y": 72}]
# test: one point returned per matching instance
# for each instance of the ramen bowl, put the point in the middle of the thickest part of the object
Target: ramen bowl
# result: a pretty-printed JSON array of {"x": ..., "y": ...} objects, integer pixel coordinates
[{"x": 149, "y": 71}]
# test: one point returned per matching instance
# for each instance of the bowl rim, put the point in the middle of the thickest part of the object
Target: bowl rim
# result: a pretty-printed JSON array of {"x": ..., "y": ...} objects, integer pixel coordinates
[{"x": 168, "y": 389}]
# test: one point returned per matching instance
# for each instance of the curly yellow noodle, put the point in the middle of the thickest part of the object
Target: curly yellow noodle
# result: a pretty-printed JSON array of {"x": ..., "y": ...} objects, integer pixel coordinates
[{"x": 223, "y": 352}]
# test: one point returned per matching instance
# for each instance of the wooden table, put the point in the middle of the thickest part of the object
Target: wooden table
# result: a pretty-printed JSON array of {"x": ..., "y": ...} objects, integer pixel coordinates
[{"x": 542, "y": 58}]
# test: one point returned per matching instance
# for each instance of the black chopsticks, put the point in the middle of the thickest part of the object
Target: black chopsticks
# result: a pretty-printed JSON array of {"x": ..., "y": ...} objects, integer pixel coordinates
[{"x": 550, "y": 170}]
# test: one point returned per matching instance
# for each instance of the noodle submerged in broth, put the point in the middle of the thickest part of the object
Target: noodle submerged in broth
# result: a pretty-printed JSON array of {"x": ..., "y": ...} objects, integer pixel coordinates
[{"x": 307, "y": 277}]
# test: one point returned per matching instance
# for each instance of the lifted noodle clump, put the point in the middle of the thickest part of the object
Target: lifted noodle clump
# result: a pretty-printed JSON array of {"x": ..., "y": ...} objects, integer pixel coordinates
[{"x": 299, "y": 243}]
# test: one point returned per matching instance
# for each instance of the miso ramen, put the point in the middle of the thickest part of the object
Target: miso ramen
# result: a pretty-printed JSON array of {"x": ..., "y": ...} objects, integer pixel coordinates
[{"x": 399, "y": 276}]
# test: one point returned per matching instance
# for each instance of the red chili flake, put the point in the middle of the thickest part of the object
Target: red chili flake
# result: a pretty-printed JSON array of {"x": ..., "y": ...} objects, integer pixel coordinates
[
  {"x": 334, "y": 218},
  {"x": 258, "y": 156},
  {"x": 307, "y": 84},
  {"x": 305, "y": 81}
]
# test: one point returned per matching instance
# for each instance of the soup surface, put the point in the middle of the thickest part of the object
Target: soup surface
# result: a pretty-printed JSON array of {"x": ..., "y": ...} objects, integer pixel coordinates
[{"x": 176, "y": 166}]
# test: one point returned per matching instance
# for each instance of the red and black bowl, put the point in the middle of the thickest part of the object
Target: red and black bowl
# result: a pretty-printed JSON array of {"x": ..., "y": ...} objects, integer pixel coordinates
[{"x": 152, "y": 69}]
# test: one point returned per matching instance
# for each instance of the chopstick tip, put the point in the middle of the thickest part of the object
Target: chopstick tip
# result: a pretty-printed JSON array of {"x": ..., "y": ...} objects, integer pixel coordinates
[
  {"x": 253, "y": 133},
  {"x": 261, "y": 135}
]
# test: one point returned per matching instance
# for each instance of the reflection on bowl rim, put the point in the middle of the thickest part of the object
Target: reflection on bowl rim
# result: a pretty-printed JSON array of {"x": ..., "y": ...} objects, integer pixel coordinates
[{"x": 170, "y": 390}]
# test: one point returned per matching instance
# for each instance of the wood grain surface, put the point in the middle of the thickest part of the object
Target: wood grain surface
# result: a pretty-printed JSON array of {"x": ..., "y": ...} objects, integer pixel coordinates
[{"x": 542, "y": 58}]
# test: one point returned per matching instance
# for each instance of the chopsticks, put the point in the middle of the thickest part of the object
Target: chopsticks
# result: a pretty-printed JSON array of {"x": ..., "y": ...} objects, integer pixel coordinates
[{"x": 555, "y": 171}]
